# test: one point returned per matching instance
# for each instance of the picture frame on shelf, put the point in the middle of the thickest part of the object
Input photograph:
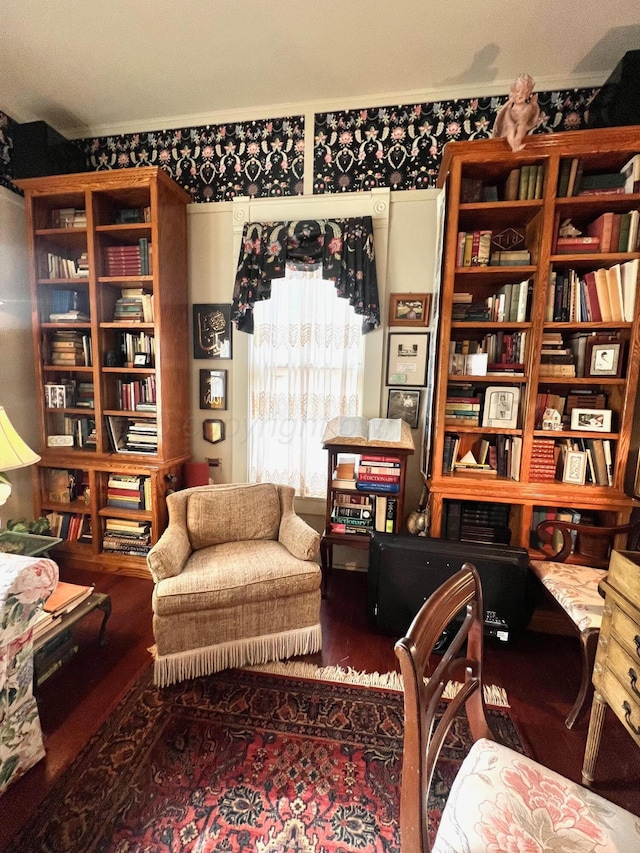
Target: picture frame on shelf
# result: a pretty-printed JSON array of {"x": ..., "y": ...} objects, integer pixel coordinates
[
  {"x": 604, "y": 358},
  {"x": 501, "y": 405},
  {"x": 407, "y": 359},
  {"x": 141, "y": 359},
  {"x": 575, "y": 467},
  {"x": 591, "y": 420},
  {"x": 212, "y": 326},
  {"x": 213, "y": 389},
  {"x": 409, "y": 309},
  {"x": 404, "y": 404}
]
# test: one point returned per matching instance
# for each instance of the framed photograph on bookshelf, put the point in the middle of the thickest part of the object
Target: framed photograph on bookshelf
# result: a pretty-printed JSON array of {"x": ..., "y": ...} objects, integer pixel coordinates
[
  {"x": 212, "y": 331},
  {"x": 407, "y": 359},
  {"x": 604, "y": 359},
  {"x": 409, "y": 309},
  {"x": 575, "y": 467},
  {"x": 404, "y": 404},
  {"x": 213, "y": 389},
  {"x": 501, "y": 405},
  {"x": 591, "y": 420}
]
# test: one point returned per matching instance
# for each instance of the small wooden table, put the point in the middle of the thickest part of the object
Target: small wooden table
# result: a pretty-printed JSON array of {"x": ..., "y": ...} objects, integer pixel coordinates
[
  {"x": 616, "y": 672},
  {"x": 96, "y": 601}
]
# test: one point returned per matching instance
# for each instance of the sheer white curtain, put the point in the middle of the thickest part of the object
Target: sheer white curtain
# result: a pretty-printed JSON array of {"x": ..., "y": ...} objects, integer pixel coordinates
[{"x": 305, "y": 367}]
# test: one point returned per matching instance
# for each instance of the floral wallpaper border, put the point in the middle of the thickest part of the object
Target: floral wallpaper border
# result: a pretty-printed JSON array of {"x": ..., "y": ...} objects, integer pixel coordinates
[{"x": 399, "y": 147}]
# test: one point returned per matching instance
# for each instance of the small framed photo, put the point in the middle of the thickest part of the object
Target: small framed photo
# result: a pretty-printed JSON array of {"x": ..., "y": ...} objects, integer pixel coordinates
[
  {"x": 591, "y": 420},
  {"x": 604, "y": 359},
  {"x": 141, "y": 359},
  {"x": 212, "y": 331},
  {"x": 501, "y": 407},
  {"x": 407, "y": 359},
  {"x": 575, "y": 467},
  {"x": 409, "y": 309},
  {"x": 213, "y": 389},
  {"x": 404, "y": 404}
]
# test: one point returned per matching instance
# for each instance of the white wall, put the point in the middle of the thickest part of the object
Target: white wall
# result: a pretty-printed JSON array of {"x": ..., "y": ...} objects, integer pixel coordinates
[
  {"x": 409, "y": 265},
  {"x": 17, "y": 374}
]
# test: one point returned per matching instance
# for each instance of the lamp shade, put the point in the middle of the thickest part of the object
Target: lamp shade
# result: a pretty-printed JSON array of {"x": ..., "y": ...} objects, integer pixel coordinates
[{"x": 14, "y": 453}]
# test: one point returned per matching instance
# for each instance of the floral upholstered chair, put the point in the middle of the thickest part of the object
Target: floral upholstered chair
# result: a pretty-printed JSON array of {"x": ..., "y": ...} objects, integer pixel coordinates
[
  {"x": 500, "y": 800},
  {"x": 25, "y": 584}
]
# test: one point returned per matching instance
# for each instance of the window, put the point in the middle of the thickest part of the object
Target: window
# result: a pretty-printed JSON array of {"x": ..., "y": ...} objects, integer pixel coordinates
[{"x": 305, "y": 367}]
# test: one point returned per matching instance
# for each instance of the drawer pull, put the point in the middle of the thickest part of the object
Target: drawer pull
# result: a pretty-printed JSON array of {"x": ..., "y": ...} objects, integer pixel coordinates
[
  {"x": 626, "y": 707},
  {"x": 633, "y": 680},
  {"x": 636, "y": 640}
]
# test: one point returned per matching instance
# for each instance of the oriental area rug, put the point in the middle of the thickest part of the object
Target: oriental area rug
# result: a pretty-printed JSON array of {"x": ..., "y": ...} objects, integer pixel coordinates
[{"x": 242, "y": 762}]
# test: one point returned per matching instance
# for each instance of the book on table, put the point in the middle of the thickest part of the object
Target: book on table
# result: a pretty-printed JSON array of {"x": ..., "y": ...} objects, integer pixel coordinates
[{"x": 66, "y": 596}]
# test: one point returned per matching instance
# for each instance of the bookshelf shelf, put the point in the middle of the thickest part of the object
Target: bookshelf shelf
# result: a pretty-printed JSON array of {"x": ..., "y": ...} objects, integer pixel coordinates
[
  {"x": 146, "y": 257},
  {"x": 560, "y": 375}
]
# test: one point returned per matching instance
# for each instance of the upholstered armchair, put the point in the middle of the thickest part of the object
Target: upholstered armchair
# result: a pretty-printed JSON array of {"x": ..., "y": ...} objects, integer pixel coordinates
[
  {"x": 235, "y": 581},
  {"x": 25, "y": 584}
]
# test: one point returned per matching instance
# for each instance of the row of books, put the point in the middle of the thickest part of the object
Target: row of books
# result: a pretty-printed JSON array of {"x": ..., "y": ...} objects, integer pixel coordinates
[
  {"x": 368, "y": 472},
  {"x": 135, "y": 304},
  {"x": 137, "y": 394},
  {"x": 509, "y": 304},
  {"x": 546, "y": 513},
  {"x": 126, "y": 215},
  {"x": 498, "y": 455},
  {"x": 124, "y": 536},
  {"x": 504, "y": 351},
  {"x": 70, "y": 526},
  {"x": 69, "y": 348},
  {"x": 607, "y": 294},
  {"x": 525, "y": 183},
  {"x": 126, "y": 260},
  {"x": 65, "y": 300},
  {"x": 69, "y": 217},
  {"x": 573, "y": 181},
  {"x": 59, "y": 266},
  {"x": 474, "y": 248},
  {"x": 129, "y": 491},
  {"x": 363, "y": 514},
  {"x": 616, "y": 232},
  {"x": 137, "y": 343}
]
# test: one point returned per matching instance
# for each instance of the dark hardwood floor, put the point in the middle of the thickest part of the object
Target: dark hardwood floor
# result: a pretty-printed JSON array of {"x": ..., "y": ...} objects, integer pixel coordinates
[{"x": 539, "y": 672}]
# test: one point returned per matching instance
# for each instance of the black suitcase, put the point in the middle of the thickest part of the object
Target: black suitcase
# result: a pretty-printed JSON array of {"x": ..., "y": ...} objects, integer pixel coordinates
[{"x": 404, "y": 570}]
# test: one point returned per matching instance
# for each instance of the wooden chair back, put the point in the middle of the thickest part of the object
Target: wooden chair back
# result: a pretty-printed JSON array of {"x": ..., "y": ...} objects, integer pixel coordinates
[
  {"x": 459, "y": 596},
  {"x": 585, "y": 544}
]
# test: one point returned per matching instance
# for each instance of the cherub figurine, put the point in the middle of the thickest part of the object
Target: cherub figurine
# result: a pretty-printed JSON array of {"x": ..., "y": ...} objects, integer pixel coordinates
[{"x": 520, "y": 115}]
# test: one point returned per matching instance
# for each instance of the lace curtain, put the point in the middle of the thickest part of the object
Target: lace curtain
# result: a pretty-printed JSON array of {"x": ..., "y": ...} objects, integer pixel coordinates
[
  {"x": 305, "y": 363},
  {"x": 342, "y": 248}
]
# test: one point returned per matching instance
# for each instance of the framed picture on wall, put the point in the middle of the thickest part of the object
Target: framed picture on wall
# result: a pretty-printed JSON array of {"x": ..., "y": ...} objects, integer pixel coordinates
[
  {"x": 212, "y": 331},
  {"x": 409, "y": 309},
  {"x": 213, "y": 389},
  {"x": 407, "y": 359},
  {"x": 404, "y": 404}
]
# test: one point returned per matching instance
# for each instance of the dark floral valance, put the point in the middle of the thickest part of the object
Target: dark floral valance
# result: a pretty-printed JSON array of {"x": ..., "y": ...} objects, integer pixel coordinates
[{"x": 342, "y": 247}]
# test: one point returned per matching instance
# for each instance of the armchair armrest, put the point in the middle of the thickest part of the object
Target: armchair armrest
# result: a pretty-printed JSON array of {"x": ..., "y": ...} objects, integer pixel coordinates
[
  {"x": 167, "y": 557},
  {"x": 298, "y": 537}
]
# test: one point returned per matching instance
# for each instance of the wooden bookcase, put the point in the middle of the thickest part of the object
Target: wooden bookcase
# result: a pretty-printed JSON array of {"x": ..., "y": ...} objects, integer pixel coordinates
[
  {"x": 476, "y": 175},
  {"x": 338, "y": 447},
  {"x": 91, "y": 237}
]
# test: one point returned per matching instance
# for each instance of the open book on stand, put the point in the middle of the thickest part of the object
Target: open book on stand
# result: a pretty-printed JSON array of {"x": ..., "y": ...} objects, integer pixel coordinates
[{"x": 380, "y": 432}]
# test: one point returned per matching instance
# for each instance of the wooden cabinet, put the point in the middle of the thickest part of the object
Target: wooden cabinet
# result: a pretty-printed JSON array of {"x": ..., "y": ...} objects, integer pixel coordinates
[
  {"x": 108, "y": 278},
  {"x": 539, "y": 337},
  {"x": 617, "y": 666},
  {"x": 354, "y": 512}
]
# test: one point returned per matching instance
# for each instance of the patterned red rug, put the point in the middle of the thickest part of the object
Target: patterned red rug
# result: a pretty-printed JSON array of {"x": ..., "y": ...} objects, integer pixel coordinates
[{"x": 241, "y": 762}]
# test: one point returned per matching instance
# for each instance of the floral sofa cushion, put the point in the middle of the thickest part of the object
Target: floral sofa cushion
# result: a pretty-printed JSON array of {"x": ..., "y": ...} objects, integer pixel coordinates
[
  {"x": 501, "y": 800},
  {"x": 25, "y": 584}
]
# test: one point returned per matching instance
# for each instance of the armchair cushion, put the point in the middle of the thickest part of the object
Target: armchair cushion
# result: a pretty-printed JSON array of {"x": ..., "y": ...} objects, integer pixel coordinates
[{"x": 251, "y": 512}]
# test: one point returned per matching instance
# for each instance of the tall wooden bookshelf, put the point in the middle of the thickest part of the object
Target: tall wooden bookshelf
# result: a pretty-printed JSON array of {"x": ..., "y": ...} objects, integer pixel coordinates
[
  {"x": 108, "y": 280},
  {"x": 532, "y": 480}
]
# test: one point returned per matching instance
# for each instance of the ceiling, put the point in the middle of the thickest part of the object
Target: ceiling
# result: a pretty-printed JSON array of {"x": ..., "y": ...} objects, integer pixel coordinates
[{"x": 98, "y": 68}]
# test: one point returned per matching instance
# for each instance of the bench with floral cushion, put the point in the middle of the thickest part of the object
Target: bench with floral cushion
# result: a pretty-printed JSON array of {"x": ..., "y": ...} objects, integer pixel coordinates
[{"x": 25, "y": 584}]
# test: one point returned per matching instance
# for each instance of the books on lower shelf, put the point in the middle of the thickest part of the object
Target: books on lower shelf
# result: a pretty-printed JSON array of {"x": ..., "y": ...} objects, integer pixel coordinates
[
  {"x": 375, "y": 512},
  {"x": 606, "y": 294},
  {"x": 129, "y": 491},
  {"x": 126, "y": 536}
]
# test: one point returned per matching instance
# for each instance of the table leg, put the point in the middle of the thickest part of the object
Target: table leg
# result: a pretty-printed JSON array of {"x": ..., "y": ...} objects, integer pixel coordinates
[
  {"x": 105, "y": 606},
  {"x": 596, "y": 723},
  {"x": 326, "y": 557}
]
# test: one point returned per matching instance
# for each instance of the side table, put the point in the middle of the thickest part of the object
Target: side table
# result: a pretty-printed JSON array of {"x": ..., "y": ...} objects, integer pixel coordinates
[
  {"x": 26, "y": 544},
  {"x": 45, "y": 665},
  {"x": 616, "y": 672}
]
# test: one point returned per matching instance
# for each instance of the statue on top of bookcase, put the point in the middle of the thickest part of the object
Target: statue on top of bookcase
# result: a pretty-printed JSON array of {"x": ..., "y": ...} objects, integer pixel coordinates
[{"x": 520, "y": 115}]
